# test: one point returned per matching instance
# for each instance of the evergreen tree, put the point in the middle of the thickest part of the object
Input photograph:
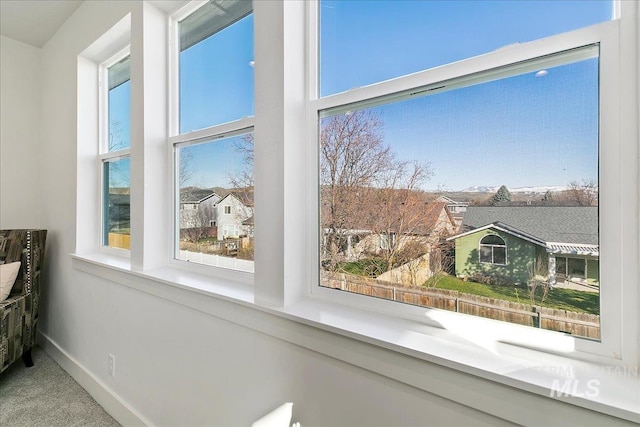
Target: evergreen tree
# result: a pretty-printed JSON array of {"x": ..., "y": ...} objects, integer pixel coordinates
[{"x": 502, "y": 195}]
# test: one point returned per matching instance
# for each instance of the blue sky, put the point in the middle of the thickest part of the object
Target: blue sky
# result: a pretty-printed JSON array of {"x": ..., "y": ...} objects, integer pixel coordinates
[
  {"x": 525, "y": 130},
  {"x": 120, "y": 132},
  {"x": 521, "y": 131},
  {"x": 211, "y": 164},
  {"x": 482, "y": 135},
  {"x": 216, "y": 78},
  {"x": 120, "y": 117},
  {"x": 363, "y": 42}
]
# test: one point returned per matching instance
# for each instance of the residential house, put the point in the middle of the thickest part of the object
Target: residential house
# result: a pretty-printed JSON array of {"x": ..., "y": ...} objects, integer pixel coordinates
[
  {"x": 231, "y": 215},
  {"x": 456, "y": 208},
  {"x": 226, "y": 215},
  {"x": 198, "y": 207},
  {"x": 515, "y": 244},
  {"x": 426, "y": 224}
]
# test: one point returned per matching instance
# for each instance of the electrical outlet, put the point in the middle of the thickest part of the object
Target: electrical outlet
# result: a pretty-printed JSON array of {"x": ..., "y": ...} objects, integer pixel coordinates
[{"x": 111, "y": 365}]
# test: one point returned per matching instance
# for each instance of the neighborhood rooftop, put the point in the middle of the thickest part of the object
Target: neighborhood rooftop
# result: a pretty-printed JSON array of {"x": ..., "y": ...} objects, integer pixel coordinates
[
  {"x": 547, "y": 223},
  {"x": 194, "y": 195}
]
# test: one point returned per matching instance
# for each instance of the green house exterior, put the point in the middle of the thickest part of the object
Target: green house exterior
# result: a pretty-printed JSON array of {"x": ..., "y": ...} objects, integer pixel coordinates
[
  {"x": 584, "y": 266},
  {"x": 593, "y": 271},
  {"x": 521, "y": 256},
  {"x": 556, "y": 244}
]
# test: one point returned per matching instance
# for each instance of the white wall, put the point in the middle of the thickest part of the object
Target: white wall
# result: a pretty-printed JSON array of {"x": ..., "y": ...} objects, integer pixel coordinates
[
  {"x": 176, "y": 365},
  {"x": 19, "y": 134}
]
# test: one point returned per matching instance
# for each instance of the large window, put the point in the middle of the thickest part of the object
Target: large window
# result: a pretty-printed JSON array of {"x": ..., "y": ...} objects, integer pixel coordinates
[
  {"x": 213, "y": 144},
  {"x": 115, "y": 145},
  {"x": 355, "y": 189},
  {"x": 216, "y": 202},
  {"x": 493, "y": 250},
  {"x": 513, "y": 137}
]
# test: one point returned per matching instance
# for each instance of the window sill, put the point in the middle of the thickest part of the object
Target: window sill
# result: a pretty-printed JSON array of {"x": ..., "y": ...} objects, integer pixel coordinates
[
  {"x": 480, "y": 375},
  {"x": 609, "y": 389},
  {"x": 114, "y": 267}
]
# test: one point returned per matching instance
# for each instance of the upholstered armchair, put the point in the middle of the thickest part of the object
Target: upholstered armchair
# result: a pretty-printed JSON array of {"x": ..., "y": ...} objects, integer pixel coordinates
[{"x": 19, "y": 312}]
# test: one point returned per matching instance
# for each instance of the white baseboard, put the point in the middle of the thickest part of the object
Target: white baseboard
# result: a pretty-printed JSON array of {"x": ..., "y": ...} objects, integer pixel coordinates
[{"x": 107, "y": 398}]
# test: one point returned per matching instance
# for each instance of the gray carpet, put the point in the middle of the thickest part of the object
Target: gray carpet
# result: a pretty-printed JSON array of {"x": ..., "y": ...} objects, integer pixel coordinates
[{"x": 45, "y": 395}]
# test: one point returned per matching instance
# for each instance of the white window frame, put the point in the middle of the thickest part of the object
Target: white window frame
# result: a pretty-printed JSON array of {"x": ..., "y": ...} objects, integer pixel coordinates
[
  {"x": 176, "y": 140},
  {"x": 397, "y": 341},
  {"x": 605, "y": 34},
  {"x": 104, "y": 155},
  {"x": 492, "y": 246}
]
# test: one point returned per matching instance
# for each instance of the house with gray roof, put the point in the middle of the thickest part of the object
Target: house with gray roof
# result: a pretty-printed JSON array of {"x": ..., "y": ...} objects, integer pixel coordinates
[
  {"x": 221, "y": 211},
  {"x": 518, "y": 244}
]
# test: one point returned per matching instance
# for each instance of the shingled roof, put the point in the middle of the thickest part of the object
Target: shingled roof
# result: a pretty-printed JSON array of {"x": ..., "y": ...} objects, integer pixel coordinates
[
  {"x": 194, "y": 195},
  {"x": 548, "y": 223}
]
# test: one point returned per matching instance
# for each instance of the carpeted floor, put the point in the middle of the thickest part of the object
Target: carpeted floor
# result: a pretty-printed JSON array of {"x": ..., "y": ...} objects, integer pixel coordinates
[{"x": 45, "y": 395}]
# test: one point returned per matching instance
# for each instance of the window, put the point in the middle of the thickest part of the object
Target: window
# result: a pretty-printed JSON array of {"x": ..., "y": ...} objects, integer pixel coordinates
[
  {"x": 115, "y": 144},
  {"x": 216, "y": 68},
  {"x": 361, "y": 44},
  {"x": 493, "y": 250},
  {"x": 214, "y": 177},
  {"x": 512, "y": 135},
  {"x": 454, "y": 121},
  {"x": 213, "y": 141}
]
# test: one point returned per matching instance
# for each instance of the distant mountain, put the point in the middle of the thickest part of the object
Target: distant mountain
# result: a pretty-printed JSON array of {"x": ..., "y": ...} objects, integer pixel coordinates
[
  {"x": 538, "y": 189},
  {"x": 542, "y": 189},
  {"x": 480, "y": 189}
]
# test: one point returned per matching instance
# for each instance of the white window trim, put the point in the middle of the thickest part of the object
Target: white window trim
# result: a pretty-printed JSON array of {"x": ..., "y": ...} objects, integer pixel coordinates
[
  {"x": 367, "y": 333},
  {"x": 492, "y": 246},
  {"x": 403, "y": 349},
  {"x": 92, "y": 132},
  {"x": 610, "y": 348},
  {"x": 105, "y": 156},
  {"x": 177, "y": 140}
]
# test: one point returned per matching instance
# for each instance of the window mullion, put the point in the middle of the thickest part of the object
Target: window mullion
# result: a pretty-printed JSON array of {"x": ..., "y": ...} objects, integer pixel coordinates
[{"x": 115, "y": 155}]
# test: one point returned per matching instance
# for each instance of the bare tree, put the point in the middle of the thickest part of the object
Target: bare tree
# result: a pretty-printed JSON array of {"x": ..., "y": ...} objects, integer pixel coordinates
[
  {"x": 198, "y": 222},
  {"x": 244, "y": 177},
  {"x": 396, "y": 207},
  {"x": 185, "y": 171},
  {"x": 353, "y": 158},
  {"x": 117, "y": 176},
  {"x": 116, "y": 141},
  {"x": 366, "y": 189},
  {"x": 538, "y": 279},
  {"x": 442, "y": 261},
  {"x": 584, "y": 193},
  {"x": 412, "y": 256}
]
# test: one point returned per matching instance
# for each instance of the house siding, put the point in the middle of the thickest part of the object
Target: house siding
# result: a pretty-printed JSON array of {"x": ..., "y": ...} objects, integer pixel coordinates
[
  {"x": 593, "y": 271},
  {"x": 230, "y": 224},
  {"x": 520, "y": 257}
]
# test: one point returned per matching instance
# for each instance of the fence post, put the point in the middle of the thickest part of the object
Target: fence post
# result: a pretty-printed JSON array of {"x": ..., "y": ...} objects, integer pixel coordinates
[
  {"x": 457, "y": 304},
  {"x": 540, "y": 319},
  {"x": 537, "y": 323}
]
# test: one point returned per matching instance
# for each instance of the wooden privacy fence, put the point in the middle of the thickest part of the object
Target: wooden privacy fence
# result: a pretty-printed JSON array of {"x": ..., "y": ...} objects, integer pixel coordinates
[
  {"x": 579, "y": 324},
  {"x": 117, "y": 240}
]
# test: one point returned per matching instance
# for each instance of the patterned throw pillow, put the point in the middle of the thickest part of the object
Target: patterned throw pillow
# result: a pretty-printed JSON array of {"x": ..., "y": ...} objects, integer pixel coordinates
[{"x": 8, "y": 274}]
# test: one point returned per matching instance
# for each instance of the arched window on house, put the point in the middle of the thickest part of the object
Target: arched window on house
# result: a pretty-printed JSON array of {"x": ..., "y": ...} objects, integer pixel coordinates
[{"x": 493, "y": 250}]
